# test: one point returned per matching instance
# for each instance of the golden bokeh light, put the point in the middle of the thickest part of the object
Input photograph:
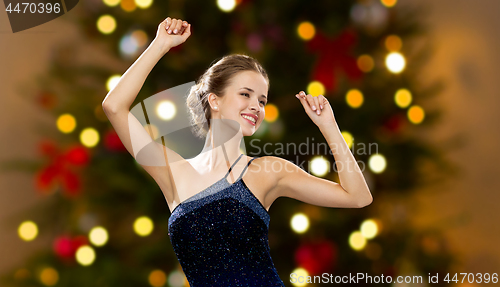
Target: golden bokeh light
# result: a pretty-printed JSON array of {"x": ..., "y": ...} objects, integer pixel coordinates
[
  {"x": 357, "y": 241},
  {"x": 272, "y": 113},
  {"x": 416, "y": 114},
  {"x": 143, "y": 226},
  {"x": 306, "y": 30},
  {"x": 299, "y": 275},
  {"x": 98, "y": 236},
  {"x": 157, "y": 278},
  {"x": 369, "y": 228},
  {"x": 354, "y": 98},
  {"x": 85, "y": 255},
  {"x": 402, "y": 98},
  {"x": 143, "y": 4},
  {"x": 112, "y": 81},
  {"x": 315, "y": 88},
  {"x": 49, "y": 276},
  {"x": 349, "y": 139},
  {"x": 365, "y": 63},
  {"x": 66, "y": 123},
  {"x": 27, "y": 230},
  {"x": 393, "y": 43},
  {"x": 388, "y": 3},
  {"x": 128, "y": 5},
  {"x": 106, "y": 24},
  {"x": 111, "y": 3},
  {"x": 89, "y": 137}
]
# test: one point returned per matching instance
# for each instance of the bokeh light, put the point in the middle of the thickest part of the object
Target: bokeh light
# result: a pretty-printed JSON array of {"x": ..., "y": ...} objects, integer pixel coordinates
[
  {"x": 157, "y": 278},
  {"x": 357, "y": 241},
  {"x": 365, "y": 63},
  {"x": 66, "y": 123},
  {"x": 128, "y": 5},
  {"x": 85, "y": 255},
  {"x": 369, "y": 228},
  {"x": 226, "y": 5},
  {"x": 272, "y": 113},
  {"x": 143, "y": 4},
  {"x": 299, "y": 274},
  {"x": 402, "y": 98},
  {"x": 319, "y": 166},
  {"x": 388, "y": 3},
  {"x": 49, "y": 276},
  {"x": 349, "y": 139},
  {"x": 166, "y": 110},
  {"x": 27, "y": 230},
  {"x": 112, "y": 81},
  {"x": 416, "y": 114},
  {"x": 98, "y": 236},
  {"x": 354, "y": 98},
  {"x": 306, "y": 30},
  {"x": 177, "y": 279},
  {"x": 377, "y": 163},
  {"x": 89, "y": 137},
  {"x": 106, "y": 24},
  {"x": 111, "y": 3},
  {"x": 143, "y": 226},
  {"x": 315, "y": 88},
  {"x": 395, "y": 62},
  {"x": 393, "y": 43},
  {"x": 299, "y": 222}
]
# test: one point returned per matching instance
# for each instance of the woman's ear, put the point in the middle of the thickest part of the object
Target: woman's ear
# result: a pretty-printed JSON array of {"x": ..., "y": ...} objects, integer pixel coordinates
[{"x": 213, "y": 101}]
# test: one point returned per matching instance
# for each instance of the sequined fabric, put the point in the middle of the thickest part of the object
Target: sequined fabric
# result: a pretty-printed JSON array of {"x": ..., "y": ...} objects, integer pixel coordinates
[{"x": 220, "y": 237}]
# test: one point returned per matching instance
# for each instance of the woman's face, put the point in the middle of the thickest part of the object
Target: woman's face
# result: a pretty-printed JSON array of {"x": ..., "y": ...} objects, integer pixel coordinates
[{"x": 244, "y": 101}]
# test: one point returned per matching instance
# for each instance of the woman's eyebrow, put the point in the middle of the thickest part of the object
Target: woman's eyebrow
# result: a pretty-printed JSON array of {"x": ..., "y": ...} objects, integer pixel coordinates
[{"x": 253, "y": 91}]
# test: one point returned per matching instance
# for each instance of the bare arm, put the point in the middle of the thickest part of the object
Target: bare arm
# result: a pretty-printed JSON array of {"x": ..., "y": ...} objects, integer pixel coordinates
[
  {"x": 295, "y": 183},
  {"x": 117, "y": 103},
  {"x": 124, "y": 93}
]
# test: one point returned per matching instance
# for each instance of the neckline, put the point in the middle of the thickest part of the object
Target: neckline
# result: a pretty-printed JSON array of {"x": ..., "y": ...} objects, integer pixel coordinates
[
  {"x": 225, "y": 178},
  {"x": 182, "y": 202}
]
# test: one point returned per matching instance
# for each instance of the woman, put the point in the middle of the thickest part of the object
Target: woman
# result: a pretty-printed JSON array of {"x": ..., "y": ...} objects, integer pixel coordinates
[{"x": 219, "y": 226}]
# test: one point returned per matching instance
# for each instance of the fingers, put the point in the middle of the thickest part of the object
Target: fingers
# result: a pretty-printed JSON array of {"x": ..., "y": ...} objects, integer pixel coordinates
[
  {"x": 184, "y": 26},
  {"x": 167, "y": 22},
  {"x": 175, "y": 26},
  {"x": 315, "y": 103}
]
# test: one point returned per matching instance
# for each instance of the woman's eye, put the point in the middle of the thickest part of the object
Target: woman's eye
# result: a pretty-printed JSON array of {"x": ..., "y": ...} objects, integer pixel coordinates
[
  {"x": 264, "y": 103},
  {"x": 246, "y": 94}
]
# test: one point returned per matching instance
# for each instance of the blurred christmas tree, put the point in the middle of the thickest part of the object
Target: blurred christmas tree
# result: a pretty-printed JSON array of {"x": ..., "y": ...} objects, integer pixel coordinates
[{"x": 107, "y": 216}]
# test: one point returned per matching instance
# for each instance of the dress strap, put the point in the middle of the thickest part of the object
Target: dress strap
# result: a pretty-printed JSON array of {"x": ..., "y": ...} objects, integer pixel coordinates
[
  {"x": 248, "y": 164},
  {"x": 233, "y": 165}
]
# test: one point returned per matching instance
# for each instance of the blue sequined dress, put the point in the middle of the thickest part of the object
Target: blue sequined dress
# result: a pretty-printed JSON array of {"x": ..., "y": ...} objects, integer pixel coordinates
[{"x": 220, "y": 236}]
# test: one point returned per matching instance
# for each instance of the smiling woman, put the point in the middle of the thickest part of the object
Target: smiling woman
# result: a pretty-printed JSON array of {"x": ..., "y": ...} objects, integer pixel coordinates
[
  {"x": 219, "y": 201},
  {"x": 219, "y": 87}
]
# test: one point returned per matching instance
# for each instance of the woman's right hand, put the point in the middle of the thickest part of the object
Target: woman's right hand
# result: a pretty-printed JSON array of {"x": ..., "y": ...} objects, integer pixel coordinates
[{"x": 171, "y": 33}]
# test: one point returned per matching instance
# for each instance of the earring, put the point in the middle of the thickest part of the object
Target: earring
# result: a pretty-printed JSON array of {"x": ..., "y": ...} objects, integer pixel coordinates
[{"x": 216, "y": 108}]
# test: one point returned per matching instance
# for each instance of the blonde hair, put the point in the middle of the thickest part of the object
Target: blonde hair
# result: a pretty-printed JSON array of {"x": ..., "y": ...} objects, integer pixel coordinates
[{"x": 215, "y": 80}]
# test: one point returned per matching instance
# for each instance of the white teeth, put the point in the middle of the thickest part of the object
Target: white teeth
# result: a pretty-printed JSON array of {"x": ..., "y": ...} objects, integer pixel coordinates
[{"x": 250, "y": 118}]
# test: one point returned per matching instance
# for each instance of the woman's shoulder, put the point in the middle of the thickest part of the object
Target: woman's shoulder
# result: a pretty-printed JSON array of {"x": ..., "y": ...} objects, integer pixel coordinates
[{"x": 272, "y": 165}]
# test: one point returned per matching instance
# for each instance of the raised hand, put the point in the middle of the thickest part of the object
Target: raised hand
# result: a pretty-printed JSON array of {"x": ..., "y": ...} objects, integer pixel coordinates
[
  {"x": 172, "y": 32},
  {"x": 317, "y": 108}
]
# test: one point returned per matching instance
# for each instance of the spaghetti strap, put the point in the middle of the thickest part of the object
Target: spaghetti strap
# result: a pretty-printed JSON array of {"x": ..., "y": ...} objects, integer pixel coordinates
[
  {"x": 248, "y": 164},
  {"x": 233, "y": 165}
]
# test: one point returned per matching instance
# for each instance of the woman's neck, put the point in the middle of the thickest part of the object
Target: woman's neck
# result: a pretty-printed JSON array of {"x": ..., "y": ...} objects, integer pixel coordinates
[{"x": 222, "y": 144}]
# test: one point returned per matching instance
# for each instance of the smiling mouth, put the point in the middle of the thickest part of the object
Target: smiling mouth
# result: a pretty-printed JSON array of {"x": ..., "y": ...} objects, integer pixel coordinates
[{"x": 249, "y": 119}]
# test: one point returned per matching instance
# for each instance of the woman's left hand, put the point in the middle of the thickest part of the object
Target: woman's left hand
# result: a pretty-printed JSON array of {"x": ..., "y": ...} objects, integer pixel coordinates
[{"x": 317, "y": 108}]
